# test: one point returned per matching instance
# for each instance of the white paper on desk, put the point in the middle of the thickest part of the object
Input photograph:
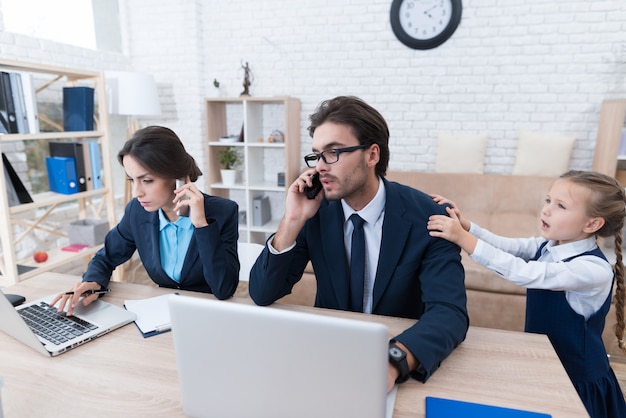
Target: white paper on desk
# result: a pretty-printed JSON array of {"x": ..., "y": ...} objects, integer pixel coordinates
[
  {"x": 391, "y": 401},
  {"x": 153, "y": 314}
]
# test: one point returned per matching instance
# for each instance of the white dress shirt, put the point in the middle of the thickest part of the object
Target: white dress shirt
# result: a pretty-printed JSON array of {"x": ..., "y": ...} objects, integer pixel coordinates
[
  {"x": 373, "y": 214},
  {"x": 586, "y": 280}
]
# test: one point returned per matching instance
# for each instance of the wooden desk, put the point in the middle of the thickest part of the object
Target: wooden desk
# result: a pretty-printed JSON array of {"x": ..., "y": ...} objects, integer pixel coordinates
[{"x": 124, "y": 375}]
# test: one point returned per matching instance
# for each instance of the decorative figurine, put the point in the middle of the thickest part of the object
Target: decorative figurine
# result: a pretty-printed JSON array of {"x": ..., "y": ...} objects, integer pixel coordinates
[
  {"x": 276, "y": 136},
  {"x": 247, "y": 79}
]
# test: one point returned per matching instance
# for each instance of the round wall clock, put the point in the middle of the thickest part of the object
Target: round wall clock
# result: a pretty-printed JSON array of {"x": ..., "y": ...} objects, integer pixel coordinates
[{"x": 425, "y": 24}]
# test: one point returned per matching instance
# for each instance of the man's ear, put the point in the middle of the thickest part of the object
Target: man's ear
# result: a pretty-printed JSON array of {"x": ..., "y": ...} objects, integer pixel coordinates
[
  {"x": 593, "y": 225},
  {"x": 373, "y": 155}
]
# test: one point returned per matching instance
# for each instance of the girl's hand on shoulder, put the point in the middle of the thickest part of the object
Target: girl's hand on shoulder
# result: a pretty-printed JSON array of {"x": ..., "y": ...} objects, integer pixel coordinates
[
  {"x": 442, "y": 200},
  {"x": 451, "y": 229},
  {"x": 445, "y": 201},
  {"x": 447, "y": 227}
]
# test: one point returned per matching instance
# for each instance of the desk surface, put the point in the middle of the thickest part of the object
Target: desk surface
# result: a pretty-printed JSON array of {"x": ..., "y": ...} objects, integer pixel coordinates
[{"x": 123, "y": 374}]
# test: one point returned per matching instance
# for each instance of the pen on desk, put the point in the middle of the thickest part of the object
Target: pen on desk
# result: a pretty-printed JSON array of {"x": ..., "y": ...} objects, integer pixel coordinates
[
  {"x": 91, "y": 292},
  {"x": 163, "y": 328}
]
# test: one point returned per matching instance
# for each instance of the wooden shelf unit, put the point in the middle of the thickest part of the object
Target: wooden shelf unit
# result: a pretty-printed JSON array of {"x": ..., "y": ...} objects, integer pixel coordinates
[
  {"x": 610, "y": 128},
  {"x": 256, "y": 118},
  {"x": 90, "y": 203}
]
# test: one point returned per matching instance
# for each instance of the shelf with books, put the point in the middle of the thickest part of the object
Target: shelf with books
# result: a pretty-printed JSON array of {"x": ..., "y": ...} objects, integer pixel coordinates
[
  {"x": 38, "y": 225},
  {"x": 265, "y": 132}
]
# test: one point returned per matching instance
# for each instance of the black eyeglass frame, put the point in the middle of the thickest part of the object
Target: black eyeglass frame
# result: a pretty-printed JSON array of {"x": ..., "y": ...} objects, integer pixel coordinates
[{"x": 314, "y": 157}]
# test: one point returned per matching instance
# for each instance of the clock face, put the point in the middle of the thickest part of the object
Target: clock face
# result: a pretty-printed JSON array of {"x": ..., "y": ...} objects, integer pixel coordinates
[
  {"x": 425, "y": 24},
  {"x": 425, "y": 19}
]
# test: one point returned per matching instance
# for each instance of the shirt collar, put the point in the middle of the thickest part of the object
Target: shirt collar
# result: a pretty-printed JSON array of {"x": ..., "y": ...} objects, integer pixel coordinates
[
  {"x": 371, "y": 212},
  {"x": 563, "y": 251},
  {"x": 181, "y": 222}
]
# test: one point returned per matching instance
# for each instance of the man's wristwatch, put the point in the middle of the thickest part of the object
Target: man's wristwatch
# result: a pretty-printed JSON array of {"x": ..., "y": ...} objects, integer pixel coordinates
[{"x": 397, "y": 358}]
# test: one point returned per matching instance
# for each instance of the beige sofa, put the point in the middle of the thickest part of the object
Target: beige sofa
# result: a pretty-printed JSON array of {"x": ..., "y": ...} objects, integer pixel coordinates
[{"x": 505, "y": 204}]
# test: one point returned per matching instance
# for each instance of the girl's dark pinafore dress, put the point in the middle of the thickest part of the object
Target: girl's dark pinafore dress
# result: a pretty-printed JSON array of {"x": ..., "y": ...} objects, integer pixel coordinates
[{"x": 579, "y": 345}]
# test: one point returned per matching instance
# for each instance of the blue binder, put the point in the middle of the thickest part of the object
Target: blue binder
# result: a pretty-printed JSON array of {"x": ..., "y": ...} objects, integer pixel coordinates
[
  {"x": 78, "y": 107},
  {"x": 72, "y": 150},
  {"x": 96, "y": 164},
  {"x": 62, "y": 174},
  {"x": 7, "y": 106}
]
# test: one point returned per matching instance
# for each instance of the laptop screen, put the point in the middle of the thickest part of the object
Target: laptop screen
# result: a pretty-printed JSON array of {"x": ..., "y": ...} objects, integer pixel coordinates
[{"x": 239, "y": 360}]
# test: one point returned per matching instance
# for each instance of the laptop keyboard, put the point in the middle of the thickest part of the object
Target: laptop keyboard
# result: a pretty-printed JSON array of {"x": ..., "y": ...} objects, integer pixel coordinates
[{"x": 57, "y": 328}]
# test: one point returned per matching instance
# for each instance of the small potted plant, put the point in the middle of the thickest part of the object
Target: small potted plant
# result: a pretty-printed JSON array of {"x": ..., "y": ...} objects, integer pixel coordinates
[
  {"x": 216, "y": 91},
  {"x": 229, "y": 159}
]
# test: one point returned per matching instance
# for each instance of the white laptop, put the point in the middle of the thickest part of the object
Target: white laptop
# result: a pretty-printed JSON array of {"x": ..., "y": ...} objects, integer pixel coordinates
[
  {"x": 237, "y": 360},
  {"x": 87, "y": 323}
]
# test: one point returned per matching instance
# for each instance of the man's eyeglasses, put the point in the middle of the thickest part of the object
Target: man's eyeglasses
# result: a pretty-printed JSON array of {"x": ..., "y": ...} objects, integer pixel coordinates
[{"x": 329, "y": 156}]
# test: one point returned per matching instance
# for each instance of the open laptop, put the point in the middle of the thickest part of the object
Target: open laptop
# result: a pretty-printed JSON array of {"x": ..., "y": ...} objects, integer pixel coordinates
[
  {"x": 86, "y": 324},
  {"x": 237, "y": 360}
]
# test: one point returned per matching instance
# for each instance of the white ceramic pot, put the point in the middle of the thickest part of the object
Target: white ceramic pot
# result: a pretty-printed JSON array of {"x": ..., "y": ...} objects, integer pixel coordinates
[{"x": 228, "y": 177}]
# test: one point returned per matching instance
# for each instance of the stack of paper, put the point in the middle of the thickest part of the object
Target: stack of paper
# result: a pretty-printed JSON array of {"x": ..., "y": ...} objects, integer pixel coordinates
[{"x": 153, "y": 314}]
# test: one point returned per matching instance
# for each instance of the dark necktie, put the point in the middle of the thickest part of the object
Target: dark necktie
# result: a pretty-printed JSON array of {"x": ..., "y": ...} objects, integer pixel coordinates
[{"x": 357, "y": 264}]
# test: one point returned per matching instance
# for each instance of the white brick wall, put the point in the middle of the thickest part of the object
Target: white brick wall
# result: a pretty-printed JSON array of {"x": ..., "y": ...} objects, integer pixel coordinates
[{"x": 511, "y": 65}]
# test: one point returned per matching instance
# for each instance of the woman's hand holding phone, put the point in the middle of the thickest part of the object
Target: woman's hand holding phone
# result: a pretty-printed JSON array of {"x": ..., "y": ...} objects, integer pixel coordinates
[{"x": 184, "y": 210}]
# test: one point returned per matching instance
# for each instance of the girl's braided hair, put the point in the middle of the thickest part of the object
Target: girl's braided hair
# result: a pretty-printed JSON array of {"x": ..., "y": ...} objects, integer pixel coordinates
[{"x": 607, "y": 201}]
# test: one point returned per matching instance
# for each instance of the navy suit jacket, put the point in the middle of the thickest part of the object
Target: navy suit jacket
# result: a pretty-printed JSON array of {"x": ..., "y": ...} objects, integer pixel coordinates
[
  {"x": 211, "y": 264},
  {"x": 418, "y": 276}
]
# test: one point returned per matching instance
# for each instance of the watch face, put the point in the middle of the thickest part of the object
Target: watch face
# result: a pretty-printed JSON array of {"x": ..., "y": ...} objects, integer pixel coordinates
[
  {"x": 395, "y": 352},
  {"x": 425, "y": 24}
]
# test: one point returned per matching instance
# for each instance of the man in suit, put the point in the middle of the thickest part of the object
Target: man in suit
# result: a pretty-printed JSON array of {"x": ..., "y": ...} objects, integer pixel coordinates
[{"x": 407, "y": 273}]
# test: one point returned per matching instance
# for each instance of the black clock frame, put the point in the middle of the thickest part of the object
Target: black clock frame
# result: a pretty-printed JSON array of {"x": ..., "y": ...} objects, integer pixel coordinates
[{"x": 406, "y": 39}]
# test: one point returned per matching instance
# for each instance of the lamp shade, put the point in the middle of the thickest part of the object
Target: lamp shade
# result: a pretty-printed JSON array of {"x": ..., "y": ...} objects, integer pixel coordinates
[{"x": 132, "y": 94}]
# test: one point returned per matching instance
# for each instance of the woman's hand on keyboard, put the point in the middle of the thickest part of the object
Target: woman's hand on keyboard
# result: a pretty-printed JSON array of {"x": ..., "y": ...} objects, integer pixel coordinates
[{"x": 71, "y": 298}]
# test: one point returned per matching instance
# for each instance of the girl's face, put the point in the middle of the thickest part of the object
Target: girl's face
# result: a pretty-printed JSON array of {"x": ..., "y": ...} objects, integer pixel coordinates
[
  {"x": 564, "y": 216},
  {"x": 151, "y": 191}
]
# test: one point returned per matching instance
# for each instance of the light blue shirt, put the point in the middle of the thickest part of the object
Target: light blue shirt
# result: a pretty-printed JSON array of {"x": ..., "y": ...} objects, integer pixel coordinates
[{"x": 174, "y": 239}]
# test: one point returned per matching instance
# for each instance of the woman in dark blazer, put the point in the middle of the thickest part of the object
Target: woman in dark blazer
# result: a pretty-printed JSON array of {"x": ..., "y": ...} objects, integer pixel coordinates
[{"x": 196, "y": 252}]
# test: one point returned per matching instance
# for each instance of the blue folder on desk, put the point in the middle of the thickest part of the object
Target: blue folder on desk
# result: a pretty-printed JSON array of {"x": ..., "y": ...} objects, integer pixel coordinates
[{"x": 449, "y": 408}]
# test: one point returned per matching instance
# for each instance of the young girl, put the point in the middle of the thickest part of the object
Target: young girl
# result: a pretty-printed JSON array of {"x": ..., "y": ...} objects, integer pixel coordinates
[
  {"x": 569, "y": 280},
  {"x": 196, "y": 252}
]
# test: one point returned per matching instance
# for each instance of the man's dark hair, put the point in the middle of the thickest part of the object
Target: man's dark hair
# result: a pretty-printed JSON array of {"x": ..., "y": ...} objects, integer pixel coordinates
[{"x": 366, "y": 123}]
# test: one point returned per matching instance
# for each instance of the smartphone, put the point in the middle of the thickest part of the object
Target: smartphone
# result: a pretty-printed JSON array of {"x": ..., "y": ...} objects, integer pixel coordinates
[
  {"x": 183, "y": 211},
  {"x": 16, "y": 300},
  {"x": 312, "y": 191}
]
